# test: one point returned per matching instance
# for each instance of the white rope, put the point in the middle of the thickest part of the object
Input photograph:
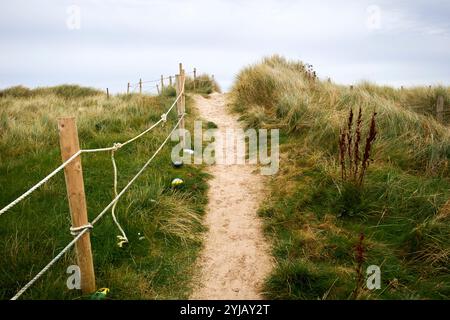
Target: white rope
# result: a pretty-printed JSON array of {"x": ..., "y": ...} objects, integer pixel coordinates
[
  {"x": 136, "y": 176},
  {"x": 76, "y": 230},
  {"x": 120, "y": 145},
  {"x": 157, "y": 80},
  {"x": 37, "y": 185},
  {"x": 51, "y": 263},
  {"x": 99, "y": 216},
  {"x": 123, "y": 238},
  {"x": 79, "y": 152}
]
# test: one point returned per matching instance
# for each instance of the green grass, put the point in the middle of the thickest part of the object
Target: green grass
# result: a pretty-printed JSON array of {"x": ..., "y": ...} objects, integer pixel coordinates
[
  {"x": 314, "y": 219},
  {"x": 61, "y": 91},
  {"x": 422, "y": 100},
  {"x": 159, "y": 266},
  {"x": 204, "y": 84}
]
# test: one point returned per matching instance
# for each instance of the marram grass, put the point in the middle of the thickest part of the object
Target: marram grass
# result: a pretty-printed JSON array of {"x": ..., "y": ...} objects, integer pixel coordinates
[
  {"x": 314, "y": 219},
  {"x": 163, "y": 224}
]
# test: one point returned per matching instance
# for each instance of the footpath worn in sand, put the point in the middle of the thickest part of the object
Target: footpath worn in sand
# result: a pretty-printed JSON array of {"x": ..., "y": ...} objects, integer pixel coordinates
[{"x": 236, "y": 257}]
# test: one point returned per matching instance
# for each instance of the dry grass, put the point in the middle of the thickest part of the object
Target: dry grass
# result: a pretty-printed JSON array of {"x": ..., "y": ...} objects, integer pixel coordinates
[
  {"x": 315, "y": 219},
  {"x": 163, "y": 225}
]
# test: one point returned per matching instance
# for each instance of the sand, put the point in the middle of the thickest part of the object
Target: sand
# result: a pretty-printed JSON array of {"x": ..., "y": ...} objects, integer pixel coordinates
[{"x": 236, "y": 257}]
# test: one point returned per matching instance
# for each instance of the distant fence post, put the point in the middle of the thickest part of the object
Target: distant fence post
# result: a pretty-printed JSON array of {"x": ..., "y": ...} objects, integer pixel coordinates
[
  {"x": 140, "y": 86},
  {"x": 440, "y": 108},
  {"x": 107, "y": 93},
  {"x": 128, "y": 88},
  {"x": 195, "y": 77},
  {"x": 157, "y": 89},
  {"x": 170, "y": 80},
  {"x": 162, "y": 83},
  {"x": 69, "y": 144}
]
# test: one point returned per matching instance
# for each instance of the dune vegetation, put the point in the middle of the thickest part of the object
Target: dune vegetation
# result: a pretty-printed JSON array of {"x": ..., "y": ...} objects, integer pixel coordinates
[
  {"x": 204, "y": 84},
  {"x": 163, "y": 224},
  {"x": 326, "y": 229}
]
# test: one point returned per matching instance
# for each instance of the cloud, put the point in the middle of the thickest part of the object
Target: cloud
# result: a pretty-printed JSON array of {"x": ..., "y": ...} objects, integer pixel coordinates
[{"x": 119, "y": 41}]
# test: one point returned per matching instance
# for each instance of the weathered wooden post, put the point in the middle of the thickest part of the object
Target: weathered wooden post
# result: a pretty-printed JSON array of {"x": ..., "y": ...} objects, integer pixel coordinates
[
  {"x": 140, "y": 86},
  {"x": 180, "y": 103},
  {"x": 183, "y": 96},
  {"x": 162, "y": 83},
  {"x": 107, "y": 93},
  {"x": 170, "y": 80},
  {"x": 128, "y": 88},
  {"x": 183, "y": 108},
  {"x": 180, "y": 68},
  {"x": 157, "y": 89},
  {"x": 195, "y": 77},
  {"x": 440, "y": 108},
  {"x": 69, "y": 144}
]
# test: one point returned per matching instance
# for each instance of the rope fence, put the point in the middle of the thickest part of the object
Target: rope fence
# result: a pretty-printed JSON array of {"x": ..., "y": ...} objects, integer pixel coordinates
[
  {"x": 78, "y": 231},
  {"x": 148, "y": 86},
  {"x": 115, "y": 147},
  {"x": 81, "y": 231}
]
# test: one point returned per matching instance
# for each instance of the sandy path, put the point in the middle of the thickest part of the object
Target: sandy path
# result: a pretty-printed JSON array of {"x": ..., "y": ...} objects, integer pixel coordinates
[{"x": 235, "y": 259}]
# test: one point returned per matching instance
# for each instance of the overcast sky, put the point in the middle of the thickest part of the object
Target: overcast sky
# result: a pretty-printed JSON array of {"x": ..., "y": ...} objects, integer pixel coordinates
[{"x": 112, "y": 42}]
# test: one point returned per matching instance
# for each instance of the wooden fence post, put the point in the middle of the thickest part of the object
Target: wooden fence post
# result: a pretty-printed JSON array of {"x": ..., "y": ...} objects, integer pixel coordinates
[
  {"x": 107, "y": 93},
  {"x": 140, "y": 86},
  {"x": 180, "y": 104},
  {"x": 170, "y": 80},
  {"x": 162, "y": 83},
  {"x": 440, "y": 108},
  {"x": 177, "y": 89},
  {"x": 195, "y": 77},
  {"x": 183, "y": 108},
  {"x": 157, "y": 89},
  {"x": 69, "y": 144},
  {"x": 183, "y": 96},
  {"x": 128, "y": 88}
]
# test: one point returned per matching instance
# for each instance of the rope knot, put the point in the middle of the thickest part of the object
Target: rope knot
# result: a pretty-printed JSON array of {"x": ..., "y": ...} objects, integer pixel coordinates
[
  {"x": 76, "y": 230},
  {"x": 117, "y": 146}
]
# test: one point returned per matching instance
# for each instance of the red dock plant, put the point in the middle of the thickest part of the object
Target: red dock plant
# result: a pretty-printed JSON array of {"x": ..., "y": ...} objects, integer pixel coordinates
[
  {"x": 353, "y": 166},
  {"x": 360, "y": 258}
]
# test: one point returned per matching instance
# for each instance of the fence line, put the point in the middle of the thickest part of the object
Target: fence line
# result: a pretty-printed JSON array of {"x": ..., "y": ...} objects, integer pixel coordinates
[
  {"x": 116, "y": 146},
  {"x": 159, "y": 83},
  {"x": 86, "y": 228},
  {"x": 79, "y": 230}
]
